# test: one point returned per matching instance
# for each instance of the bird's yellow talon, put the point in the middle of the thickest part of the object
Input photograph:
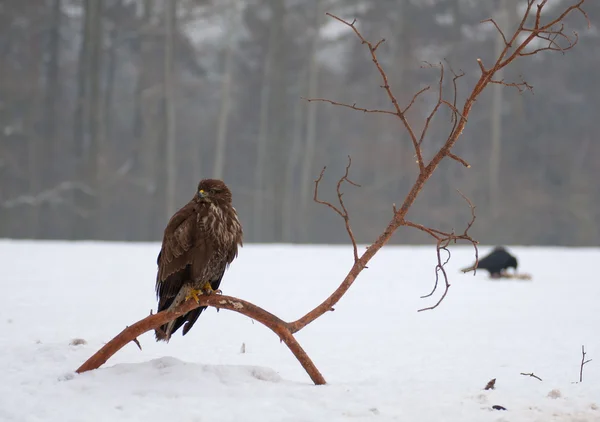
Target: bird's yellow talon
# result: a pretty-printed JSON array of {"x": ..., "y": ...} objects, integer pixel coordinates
[
  {"x": 193, "y": 294},
  {"x": 208, "y": 290}
]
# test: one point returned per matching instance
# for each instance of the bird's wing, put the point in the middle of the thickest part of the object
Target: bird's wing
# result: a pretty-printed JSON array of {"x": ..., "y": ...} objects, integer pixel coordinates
[{"x": 176, "y": 251}]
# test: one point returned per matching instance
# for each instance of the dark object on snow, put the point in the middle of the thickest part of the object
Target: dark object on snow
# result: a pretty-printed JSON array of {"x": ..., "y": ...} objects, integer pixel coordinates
[
  {"x": 491, "y": 385},
  {"x": 199, "y": 243},
  {"x": 498, "y": 407},
  {"x": 496, "y": 262}
]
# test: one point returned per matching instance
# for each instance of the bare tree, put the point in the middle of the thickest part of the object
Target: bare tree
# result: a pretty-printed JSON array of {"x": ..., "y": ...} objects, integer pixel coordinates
[
  {"x": 260, "y": 171},
  {"x": 520, "y": 39},
  {"x": 311, "y": 116},
  {"x": 235, "y": 10},
  {"x": 170, "y": 9}
]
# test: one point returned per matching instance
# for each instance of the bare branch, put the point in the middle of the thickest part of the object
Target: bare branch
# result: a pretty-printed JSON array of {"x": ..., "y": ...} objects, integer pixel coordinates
[
  {"x": 437, "y": 105},
  {"x": 386, "y": 86},
  {"x": 248, "y": 309},
  {"x": 285, "y": 330},
  {"x": 460, "y": 160},
  {"x": 499, "y": 30},
  {"x": 583, "y": 362},
  {"x": 414, "y": 98},
  {"x": 352, "y": 106},
  {"x": 522, "y": 86},
  {"x": 443, "y": 239},
  {"x": 531, "y": 374},
  {"x": 343, "y": 212}
]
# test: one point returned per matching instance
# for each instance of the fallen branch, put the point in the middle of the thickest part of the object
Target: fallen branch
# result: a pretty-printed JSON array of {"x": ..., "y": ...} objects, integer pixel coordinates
[{"x": 531, "y": 374}]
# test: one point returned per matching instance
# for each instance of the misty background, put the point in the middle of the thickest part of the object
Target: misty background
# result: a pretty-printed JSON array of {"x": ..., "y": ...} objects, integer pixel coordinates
[{"x": 111, "y": 111}]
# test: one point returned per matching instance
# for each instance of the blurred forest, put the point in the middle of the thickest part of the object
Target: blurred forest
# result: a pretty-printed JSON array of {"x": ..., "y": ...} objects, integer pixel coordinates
[{"x": 111, "y": 111}]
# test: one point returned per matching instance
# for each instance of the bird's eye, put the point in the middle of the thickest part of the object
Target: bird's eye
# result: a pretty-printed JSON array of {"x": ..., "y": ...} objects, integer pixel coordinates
[{"x": 212, "y": 191}]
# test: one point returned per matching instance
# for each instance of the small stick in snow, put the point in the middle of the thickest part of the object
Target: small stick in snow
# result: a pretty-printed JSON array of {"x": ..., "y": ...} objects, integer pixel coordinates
[
  {"x": 583, "y": 362},
  {"x": 531, "y": 374}
]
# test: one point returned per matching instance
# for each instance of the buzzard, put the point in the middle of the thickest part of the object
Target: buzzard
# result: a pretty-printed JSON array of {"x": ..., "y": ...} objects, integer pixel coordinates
[
  {"x": 199, "y": 243},
  {"x": 496, "y": 262}
]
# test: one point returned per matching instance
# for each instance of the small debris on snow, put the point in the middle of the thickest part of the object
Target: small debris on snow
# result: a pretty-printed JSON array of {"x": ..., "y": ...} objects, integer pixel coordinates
[
  {"x": 374, "y": 411},
  {"x": 498, "y": 407},
  {"x": 491, "y": 384},
  {"x": 555, "y": 394},
  {"x": 67, "y": 377},
  {"x": 243, "y": 348},
  {"x": 77, "y": 342},
  {"x": 482, "y": 398}
]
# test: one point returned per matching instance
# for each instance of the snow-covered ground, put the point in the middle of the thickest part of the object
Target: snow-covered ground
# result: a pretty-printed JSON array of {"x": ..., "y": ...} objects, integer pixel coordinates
[{"x": 383, "y": 361}]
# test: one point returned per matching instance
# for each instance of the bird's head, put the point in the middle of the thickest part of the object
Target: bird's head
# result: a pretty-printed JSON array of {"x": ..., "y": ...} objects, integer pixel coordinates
[
  {"x": 213, "y": 191},
  {"x": 512, "y": 262}
]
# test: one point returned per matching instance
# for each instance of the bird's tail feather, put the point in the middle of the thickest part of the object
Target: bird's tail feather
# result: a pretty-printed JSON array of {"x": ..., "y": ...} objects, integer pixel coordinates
[{"x": 165, "y": 331}]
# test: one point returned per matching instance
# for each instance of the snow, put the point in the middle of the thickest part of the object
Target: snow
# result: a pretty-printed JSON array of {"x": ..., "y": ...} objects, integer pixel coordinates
[{"x": 383, "y": 360}]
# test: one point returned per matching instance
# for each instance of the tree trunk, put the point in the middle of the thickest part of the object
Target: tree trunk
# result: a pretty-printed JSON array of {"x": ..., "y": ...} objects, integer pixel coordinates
[
  {"x": 88, "y": 116},
  {"x": 294, "y": 159},
  {"x": 307, "y": 176},
  {"x": 35, "y": 142},
  {"x": 279, "y": 133},
  {"x": 230, "y": 48},
  {"x": 496, "y": 121},
  {"x": 260, "y": 170},
  {"x": 52, "y": 99},
  {"x": 170, "y": 122},
  {"x": 94, "y": 119}
]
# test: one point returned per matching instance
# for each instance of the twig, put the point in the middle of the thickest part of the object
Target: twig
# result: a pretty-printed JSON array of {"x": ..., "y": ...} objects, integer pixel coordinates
[
  {"x": 444, "y": 239},
  {"x": 531, "y": 374},
  {"x": 352, "y": 106},
  {"x": 583, "y": 362},
  {"x": 343, "y": 212},
  {"x": 386, "y": 86}
]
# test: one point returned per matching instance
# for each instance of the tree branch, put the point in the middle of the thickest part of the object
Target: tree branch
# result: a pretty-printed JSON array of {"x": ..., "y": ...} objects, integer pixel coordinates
[
  {"x": 343, "y": 212},
  {"x": 386, "y": 86},
  {"x": 443, "y": 239},
  {"x": 248, "y": 309}
]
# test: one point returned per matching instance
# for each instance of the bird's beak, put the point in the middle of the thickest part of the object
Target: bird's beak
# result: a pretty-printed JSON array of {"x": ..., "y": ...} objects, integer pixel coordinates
[{"x": 201, "y": 194}]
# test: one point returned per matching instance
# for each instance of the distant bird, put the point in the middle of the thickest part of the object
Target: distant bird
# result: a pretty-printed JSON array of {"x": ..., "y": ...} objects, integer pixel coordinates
[
  {"x": 496, "y": 262},
  {"x": 199, "y": 243}
]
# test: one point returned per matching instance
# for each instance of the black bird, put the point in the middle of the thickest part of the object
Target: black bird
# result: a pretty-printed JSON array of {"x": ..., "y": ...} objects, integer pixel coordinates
[{"x": 496, "y": 262}]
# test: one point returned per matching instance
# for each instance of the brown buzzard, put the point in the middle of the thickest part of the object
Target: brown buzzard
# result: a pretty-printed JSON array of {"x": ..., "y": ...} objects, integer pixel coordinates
[{"x": 199, "y": 243}]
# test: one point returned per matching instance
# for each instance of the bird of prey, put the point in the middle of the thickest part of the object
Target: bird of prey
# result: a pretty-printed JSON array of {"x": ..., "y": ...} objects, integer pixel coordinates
[
  {"x": 199, "y": 243},
  {"x": 496, "y": 262}
]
